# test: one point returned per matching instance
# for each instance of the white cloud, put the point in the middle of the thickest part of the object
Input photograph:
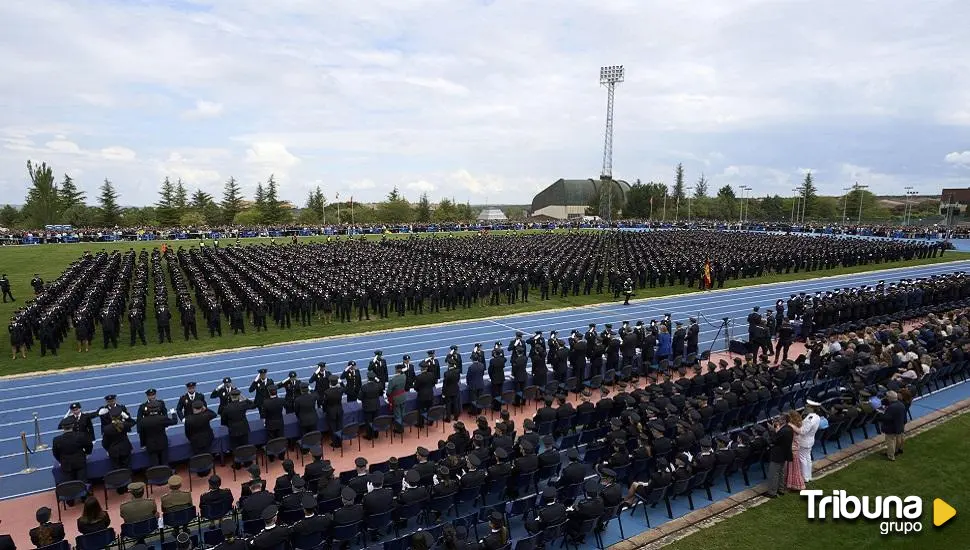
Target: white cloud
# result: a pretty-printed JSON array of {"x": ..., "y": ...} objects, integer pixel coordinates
[
  {"x": 383, "y": 92},
  {"x": 117, "y": 153},
  {"x": 421, "y": 186},
  {"x": 204, "y": 109},
  {"x": 959, "y": 158}
]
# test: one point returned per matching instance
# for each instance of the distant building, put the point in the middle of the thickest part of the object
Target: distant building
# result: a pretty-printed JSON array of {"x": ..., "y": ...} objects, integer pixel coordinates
[
  {"x": 568, "y": 199},
  {"x": 491, "y": 215},
  {"x": 956, "y": 199}
]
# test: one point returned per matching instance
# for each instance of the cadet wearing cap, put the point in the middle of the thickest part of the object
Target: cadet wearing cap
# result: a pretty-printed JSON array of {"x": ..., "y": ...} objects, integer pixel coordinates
[
  {"x": 350, "y": 512},
  {"x": 498, "y": 536},
  {"x": 82, "y": 420},
  {"x": 260, "y": 387},
  {"x": 71, "y": 449},
  {"x": 272, "y": 535},
  {"x": 291, "y": 386},
  {"x": 378, "y": 366},
  {"x": 186, "y": 403},
  {"x": 221, "y": 393},
  {"x": 110, "y": 404},
  {"x": 351, "y": 381},
  {"x": 551, "y": 513}
]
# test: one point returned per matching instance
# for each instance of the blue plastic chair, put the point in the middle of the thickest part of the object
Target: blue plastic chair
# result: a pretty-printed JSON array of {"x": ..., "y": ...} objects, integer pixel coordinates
[{"x": 95, "y": 541}]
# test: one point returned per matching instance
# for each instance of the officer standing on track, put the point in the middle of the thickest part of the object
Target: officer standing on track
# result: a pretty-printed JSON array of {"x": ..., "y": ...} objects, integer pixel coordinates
[
  {"x": 260, "y": 387},
  {"x": 222, "y": 393}
]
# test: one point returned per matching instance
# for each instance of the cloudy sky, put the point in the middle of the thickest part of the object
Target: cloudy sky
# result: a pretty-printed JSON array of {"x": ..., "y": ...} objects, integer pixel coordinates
[{"x": 486, "y": 100}]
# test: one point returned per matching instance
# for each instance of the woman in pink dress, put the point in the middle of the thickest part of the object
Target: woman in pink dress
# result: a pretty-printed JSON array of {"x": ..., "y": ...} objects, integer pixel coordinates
[{"x": 793, "y": 470}]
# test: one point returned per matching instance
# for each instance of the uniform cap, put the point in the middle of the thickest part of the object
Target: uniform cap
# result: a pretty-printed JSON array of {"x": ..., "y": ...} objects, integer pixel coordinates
[
  {"x": 226, "y": 380},
  {"x": 66, "y": 423},
  {"x": 413, "y": 477},
  {"x": 150, "y": 391},
  {"x": 298, "y": 483},
  {"x": 235, "y": 391},
  {"x": 190, "y": 384},
  {"x": 549, "y": 493},
  {"x": 292, "y": 374},
  {"x": 309, "y": 502},
  {"x": 501, "y": 453},
  {"x": 229, "y": 527},
  {"x": 198, "y": 404},
  {"x": 110, "y": 397},
  {"x": 263, "y": 371},
  {"x": 360, "y": 462},
  {"x": 591, "y": 487},
  {"x": 572, "y": 454},
  {"x": 75, "y": 405},
  {"x": 270, "y": 512},
  {"x": 378, "y": 352},
  {"x": 348, "y": 494}
]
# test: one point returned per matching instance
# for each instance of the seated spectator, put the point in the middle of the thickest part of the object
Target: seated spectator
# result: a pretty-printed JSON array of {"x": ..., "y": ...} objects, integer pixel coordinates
[
  {"x": 138, "y": 508},
  {"x": 216, "y": 496},
  {"x": 46, "y": 533},
  {"x": 176, "y": 499},
  {"x": 93, "y": 517}
]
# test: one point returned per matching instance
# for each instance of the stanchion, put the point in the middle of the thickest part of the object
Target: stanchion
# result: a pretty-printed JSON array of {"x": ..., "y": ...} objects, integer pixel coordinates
[
  {"x": 38, "y": 444},
  {"x": 27, "y": 468}
]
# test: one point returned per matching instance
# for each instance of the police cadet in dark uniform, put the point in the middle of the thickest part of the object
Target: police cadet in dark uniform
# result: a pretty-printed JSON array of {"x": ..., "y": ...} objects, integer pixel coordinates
[
  {"x": 291, "y": 383},
  {"x": 519, "y": 374},
  {"x": 496, "y": 374},
  {"x": 5, "y": 288},
  {"x": 37, "y": 283},
  {"x": 198, "y": 427},
  {"x": 151, "y": 427},
  {"x": 378, "y": 365},
  {"x": 305, "y": 407},
  {"x": 260, "y": 386},
  {"x": 693, "y": 335},
  {"x": 82, "y": 421},
  {"x": 455, "y": 356},
  {"x": 187, "y": 319},
  {"x": 434, "y": 366},
  {"x": 163, "y": 320},
  {"x": 184, "y": 407},
  {"x": 221, "y": 393},
  {"x": 136, "y": 326},
  {"x": 351, "y": 381}
]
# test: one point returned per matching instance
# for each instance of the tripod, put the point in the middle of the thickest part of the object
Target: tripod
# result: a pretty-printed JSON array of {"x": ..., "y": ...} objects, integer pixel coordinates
[{"x": 726, "y": 328}]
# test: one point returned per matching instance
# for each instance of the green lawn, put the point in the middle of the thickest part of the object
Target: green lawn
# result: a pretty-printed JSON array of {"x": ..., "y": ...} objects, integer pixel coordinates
[
  {"x": 934, "y": 466},
  {"x": 20, "y": 263}
]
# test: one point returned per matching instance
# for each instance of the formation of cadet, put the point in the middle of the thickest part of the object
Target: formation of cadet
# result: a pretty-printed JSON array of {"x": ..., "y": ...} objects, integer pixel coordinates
[{"x": 356, "y": 279}]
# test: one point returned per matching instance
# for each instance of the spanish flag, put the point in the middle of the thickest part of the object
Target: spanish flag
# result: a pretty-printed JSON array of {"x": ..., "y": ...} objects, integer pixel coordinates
[{"x": 707, "y": 273}]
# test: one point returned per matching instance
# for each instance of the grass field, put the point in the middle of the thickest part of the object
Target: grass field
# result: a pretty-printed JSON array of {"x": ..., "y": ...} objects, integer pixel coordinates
[
  {"x": 934, "y": 466},
  {"x": 20, "y": 263}
]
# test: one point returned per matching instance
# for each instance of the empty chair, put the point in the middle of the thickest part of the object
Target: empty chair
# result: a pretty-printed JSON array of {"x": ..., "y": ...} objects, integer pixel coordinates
[
  {"x": 276, "y": 447},
  {"x": 381, "y": 424},
  {"x": 95, "y": 541},
  {"x": 70, "y": 491},
  {"x": 309, "y": 441},
  {"x": 200, "y": 465},
  {"x": 243, "y": 455},
  {"x": 115, "y": 479},
  {"x": 157, "y": 476}
]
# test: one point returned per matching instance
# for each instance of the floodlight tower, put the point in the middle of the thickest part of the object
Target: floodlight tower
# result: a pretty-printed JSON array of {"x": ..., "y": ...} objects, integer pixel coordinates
[{"x": 609, "y": 76}]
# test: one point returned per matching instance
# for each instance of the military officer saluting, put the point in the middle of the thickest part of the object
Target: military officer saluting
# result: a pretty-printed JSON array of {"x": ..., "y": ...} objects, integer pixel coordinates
[
  {"x": 351, "y": 381},
  {"x": 260, "y": 387},
  {"x": 222, "y": 393},
  {"x": 110, "y": 405},
  {"x": 432, "y": 365},
  {"x": 454, "y": 357},
  {"x": 378, "y": 365},
  {"x": 291, "y": 384}
]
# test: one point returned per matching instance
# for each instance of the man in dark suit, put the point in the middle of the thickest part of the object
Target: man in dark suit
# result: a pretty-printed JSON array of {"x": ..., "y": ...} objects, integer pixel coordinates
[
  {"x": 272, "y": 535},
  {"x": 450, "y": 392},
  {"x": 551, "y": 513},
  {"x": 314, "y": 470},
  {"x": 370, "y": 401},
  {"x": 46, "y": 533},
  {"x": 334, "y": 407},
  {"x": 258, "y": 501},
  {"x": 305, "y": 406},
  {"x": 71, "y": 450},
  {"x": 234, "y": 418},
  {"x": 424, "y": 385},
  {"x": 216, "y": 497},
  {"x": 198, "y": 428},
  {"x": 781, "y": 435}
]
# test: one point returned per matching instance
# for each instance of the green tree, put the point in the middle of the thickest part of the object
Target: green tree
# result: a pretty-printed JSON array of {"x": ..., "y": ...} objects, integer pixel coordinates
[
  {"x": 700, "y": 188},
  {"x": 319, "y": 205},
  {"x": 145, "y": 216},
  {"x": 679, "y": 191},
  {"x": 395, "y": 208},
  {"x": 273, "y": 210},
  {"x": 200, "y": 200},
  {"x": 773, "y": 209},
  {"x": 826, "y": 208},
  {"x": 232, "y": 200},
  {"x": 9, "y": 216},
  {"x": 80, "y": 215},
  {"x": 192, "y": 218},
  {"x": 465, "y": 212},
  {"x": 423, "y": 209},
  {"x": 725, "y": 205},
  {"x": 447, "y": 211},
  {"x": 514, "y": 213},
  {"x": 165, "y": 207},
  {"x": 180, "y": 198},
  {"x": 248, "y": 217},
  {"x": 259, "y": 203},
  {"x": 42, "y": 205},
  {"x": 110, "y": 212},
  {"x": 70, "y": 195},
  {"x": 872, "y": 209}
]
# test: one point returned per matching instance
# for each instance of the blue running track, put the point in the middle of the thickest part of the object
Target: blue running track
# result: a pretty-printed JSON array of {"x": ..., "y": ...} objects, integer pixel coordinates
[{"x": 48, "y": 395}]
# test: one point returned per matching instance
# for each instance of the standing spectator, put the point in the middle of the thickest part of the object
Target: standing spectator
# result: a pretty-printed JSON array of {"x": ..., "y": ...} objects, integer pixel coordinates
[
  {"x": 780, "y": 452},
  {"x": 893, "y": 424}
]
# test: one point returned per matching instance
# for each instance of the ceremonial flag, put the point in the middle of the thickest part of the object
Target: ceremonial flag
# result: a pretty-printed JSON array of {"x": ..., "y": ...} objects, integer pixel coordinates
[{"x": 707, "y": 273}]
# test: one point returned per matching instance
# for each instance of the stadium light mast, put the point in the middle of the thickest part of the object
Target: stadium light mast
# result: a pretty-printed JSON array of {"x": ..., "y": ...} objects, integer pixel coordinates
[
  {"x": 689, "y": 190},
  {"x": 845, "y": 204},
  {"x": 906, "y": 210},
  {"x": 860, "y": 188},
  {"x": 610, "y": 76}
]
